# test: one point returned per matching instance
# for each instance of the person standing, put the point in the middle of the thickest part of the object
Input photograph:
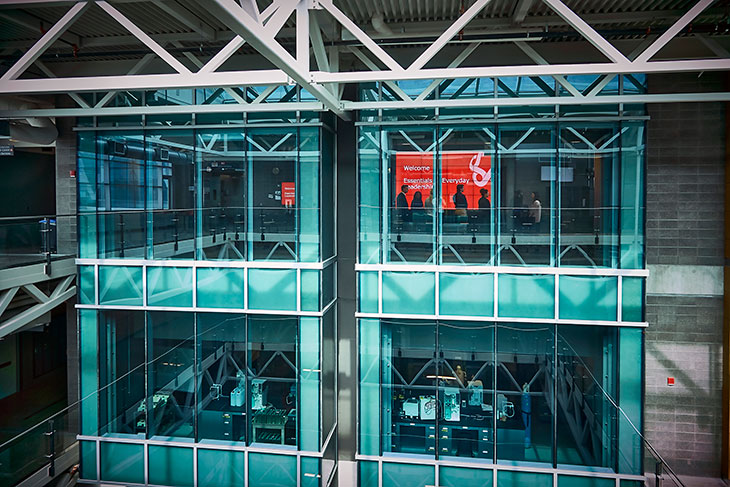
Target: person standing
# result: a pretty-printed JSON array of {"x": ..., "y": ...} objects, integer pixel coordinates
[
  {"x": 535, "y": 211},
  {"x": 401, "y": 204},
  {"x": 460, "y": 202},
  {"x": 484, "y": 206}
]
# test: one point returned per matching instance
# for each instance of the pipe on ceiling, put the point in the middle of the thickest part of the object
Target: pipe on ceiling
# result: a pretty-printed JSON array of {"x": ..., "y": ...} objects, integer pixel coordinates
[{"x": 34, "y": 130}]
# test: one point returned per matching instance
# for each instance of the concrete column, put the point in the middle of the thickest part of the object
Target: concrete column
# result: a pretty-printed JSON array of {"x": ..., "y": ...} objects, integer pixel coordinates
[{"x": 66, "y": 186}]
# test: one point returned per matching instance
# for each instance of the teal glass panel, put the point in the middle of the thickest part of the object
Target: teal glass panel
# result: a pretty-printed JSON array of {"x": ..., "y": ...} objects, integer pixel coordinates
[
  {"x": 309, "y": 375},
  {"x": 462, "y": 294},
  {"x": 220, "y": 288},
  {"x": 89, "y": 352},
  {"x": 170, "y": 286},
  {"x": 170, "y": 466},
  {"x": 632, "y": 483},
  {"x": 407, "y": 475},
  {"x": 87, "y": 286},
  {"x": 266, "y": 470},
  {"x": 526, "y": 296},
  {"x": 368, "y": 474},
  {"x": 368, "y": 291},
  {"x": 369, "y": 387},
  {"x": 87, "y": 236},
  {"x": 588, "y": 298},
  {"x": 329, "y": 378},
  {"x": 631, "y": 369},
  {"x": 409, "y": 292},
  {"x": 120, "y": 285},
  {"x": 87, "y": 456},
  {"x": 310, "y": 290},
  {"x": 506, "y": 478},
  {"x": 632, "y": 299},
  {"x": 272, "y": 289},
  {"x": 311, "y": 473},
  {"x": 328, "y": 284},
  {"x": 328, "y": 204},
  {"x": 369, "y": 151},
  {"x": 220, "y": 468},
  {"x": 573, "y": 481},
  {"x": 633, "y": 154},
  {"x": 122, "y": 462},
  {"x": 465, "y": 477},
  {"x": 309, "y": 168}
]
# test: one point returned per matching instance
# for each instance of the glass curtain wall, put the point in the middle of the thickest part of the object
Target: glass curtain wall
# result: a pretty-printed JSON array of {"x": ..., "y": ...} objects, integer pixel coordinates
[
  {"x": 516, "y": 393},
  {"x": 208, "y": 194},
  {"x": 543, "y": 194}
]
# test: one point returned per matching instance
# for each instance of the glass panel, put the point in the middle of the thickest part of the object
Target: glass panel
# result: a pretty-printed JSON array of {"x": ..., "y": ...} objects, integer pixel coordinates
[
  {"x": 220, "y": 288},
  {"x": 523, "y": 479},
  {"x": 220, "y": 468},
  {"x": 87, "y": 286},
  {"x": 170, "y": 384},
  {"x": 87, "y": 195},
  {"x": 466, "y": 388},
  {"x": 633, "y": 152},
  {"x": 170, "y": 286},
  {"x": 368, "y": 287},
  {"x": 273, "y": 373},
  {"x": 87, "y": 456},
  {"x": 309, "y": 184},
  {"x": 632, "y": 299},
  {"x": 273, "y": 289},
  {"x": 170, "y": 194},
  {"x": 221, "y": 372},
  {"x": 89, "y": 375},
  {"x": 588, "y": 172},
  {"x": 526, "y": 202},
  {"x": 515, "y": 288},
  {"x": 409, "y": 292},
  {"x": 406, "y": 475},
  {"x": 368, "y": 474},
  {"x": 170, "y": 466},
  {"x": 328, "y": 284},
  {"x": 121, "y": 373},
  {"x": 310, "y": 470},
  {"x": 409, "y": 396},
  {"x": 120, "y": 195},
  {"x": 329, "y": 373},
  {"x": 266, "y": 470},
  {"x": 369, "y": 400},
  {"x": 328, "y": 194},
  {"x": 631, "y": 371},
  {"x": 122, "y": 462},
  {"x": 464, "y": 477},
  {"x": 524, "y": 402},
  {"x": 272, "y": 218},
  {"x": 309, "y": 377},
  {"x": 586, "y": 375},
  {"x": 568, "y": 481},
  {"x": 369, "y": 150},
  {"x": 310, "y": 290},
  {"x": 221, "y": 198},
  {"x": 462, "y": 294},
  {"x": 412, "y": 199},
  {"x": 588, "y": 298},
  {"x": 120, "y": 286},
  {"x": 466, "y": 188}
]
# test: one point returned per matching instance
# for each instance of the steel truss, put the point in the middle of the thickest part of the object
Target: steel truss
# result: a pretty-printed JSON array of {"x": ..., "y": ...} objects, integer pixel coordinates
[{"x": 259, "y": 30}]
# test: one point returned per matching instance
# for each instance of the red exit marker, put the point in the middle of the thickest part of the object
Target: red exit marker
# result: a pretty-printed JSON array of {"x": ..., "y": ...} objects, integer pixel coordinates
[{"x": 670, "y": 381}]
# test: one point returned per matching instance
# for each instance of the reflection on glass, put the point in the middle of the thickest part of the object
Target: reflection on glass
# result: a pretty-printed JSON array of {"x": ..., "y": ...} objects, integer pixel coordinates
[
  {"x": 221, "y": 376},
  {"x": 170, "y": 352},
  {"x": 121, "y": 372},
  {"x": 272, "y": 386},
  {"x": 525, "y": 383}
]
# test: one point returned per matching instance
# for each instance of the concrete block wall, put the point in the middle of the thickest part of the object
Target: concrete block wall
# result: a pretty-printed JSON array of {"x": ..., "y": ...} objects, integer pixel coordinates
[
  {"x": 66, "y": 185},
  {"x": 685, "y": 226}
]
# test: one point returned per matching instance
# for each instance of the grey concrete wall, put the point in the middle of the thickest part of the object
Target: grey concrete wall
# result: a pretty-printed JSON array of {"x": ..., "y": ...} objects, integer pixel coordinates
[
  {"x": 66, "y": 185},
  {"x": 685, "y": 221}
]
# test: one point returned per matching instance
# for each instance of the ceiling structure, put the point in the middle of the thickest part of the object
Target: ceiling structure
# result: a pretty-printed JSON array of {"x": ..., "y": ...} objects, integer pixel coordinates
[{"x": 79, "y": 47}]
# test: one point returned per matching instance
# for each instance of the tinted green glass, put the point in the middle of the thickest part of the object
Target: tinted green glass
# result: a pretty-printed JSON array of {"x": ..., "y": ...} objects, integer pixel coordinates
[
  {"x": 526, "y": 296},
  {"x": 368, "y": 291},
  {"x": 308, "y": 194},
  {"x": 120, "y": 285},
  {"x": 368, "y": 474},
  {"x": 409, "y": 292},
  {"x": 89, "y": 376},
  {"x": 369, "y": 151},
  {"x": 220, "y": 288},
  {"x": 220, "y": 468},
  {"x": 87, "y": 455},
  {"x": 273, "y": 289},
  {"x": 570, "y": 481},
  {"x": 632, "y": 299},
  {"x": 310, "y": 290},
  {"x": 266, "y": 470},
  {"x": 588, "y": 298},
  {"x": 369, "y": 387},
  {"x": 170, "y": 466},
  {"x": 406, "y": 475},
  {"x": 122, "y": 462},
  {"x": 87, "y": 286},
  {"x": 632, "y": 195},
  {"x": 631, "y": 368},
  {"x": 462, "y": 294},
  {"x": 464, "y": 477},
  {"x": 310, "y": 472},
  {"x": 523, "y": 479},
  {"x": 309, "y": 376},
  {"x": 170, "y": 286}
]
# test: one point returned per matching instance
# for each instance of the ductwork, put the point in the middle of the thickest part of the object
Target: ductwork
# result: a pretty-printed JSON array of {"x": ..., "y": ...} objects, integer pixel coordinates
[
  {"x": 42, "y": 131},
  {"x": 380, "y": 26}
]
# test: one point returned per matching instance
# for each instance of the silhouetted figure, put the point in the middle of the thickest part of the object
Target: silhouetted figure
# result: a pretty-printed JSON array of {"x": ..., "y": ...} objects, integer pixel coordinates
[{"x": 401, "y": 204}]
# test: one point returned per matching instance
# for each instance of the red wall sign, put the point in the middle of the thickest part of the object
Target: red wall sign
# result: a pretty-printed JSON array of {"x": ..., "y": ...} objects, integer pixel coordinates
[
  {"x": 288, "y": 194},
  {"x": 472, "y": 169}
]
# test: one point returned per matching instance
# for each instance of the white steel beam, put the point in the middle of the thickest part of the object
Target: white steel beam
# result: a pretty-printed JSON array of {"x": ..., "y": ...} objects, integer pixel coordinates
[
  {"x": 139, "y": 66},
  {"x": 587, "y": 31},
  {"x": 33, "y": 23},
  {"x": 320, "y": 54},
  {"x": 521, "y": 10},
  {"x": 187, "y": 18},
  {"x": 255, "y": 34},
  {"x": 45, "y": 41},
  {"x": 674, "y": 30},
  {"x": 46, "y": 70},
  {"x": 303, "y": 36},
  {"x": 454, "y": 64},
  {"x": 535, "y": 56},
  {"x": 17, "y": 322},
  {"x": 449, "y": 34},
  {"x": 199, "y": 64},
  {"x": 143, "y": 37},
  {"x": 370, "y": 64},
  {"x": 6, "y": 298},
  {"x": 713, "y": 46}
]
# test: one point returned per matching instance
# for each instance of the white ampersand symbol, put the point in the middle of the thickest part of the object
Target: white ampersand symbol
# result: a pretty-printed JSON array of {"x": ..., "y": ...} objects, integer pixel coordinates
[{"x": 479, "y": 175}]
